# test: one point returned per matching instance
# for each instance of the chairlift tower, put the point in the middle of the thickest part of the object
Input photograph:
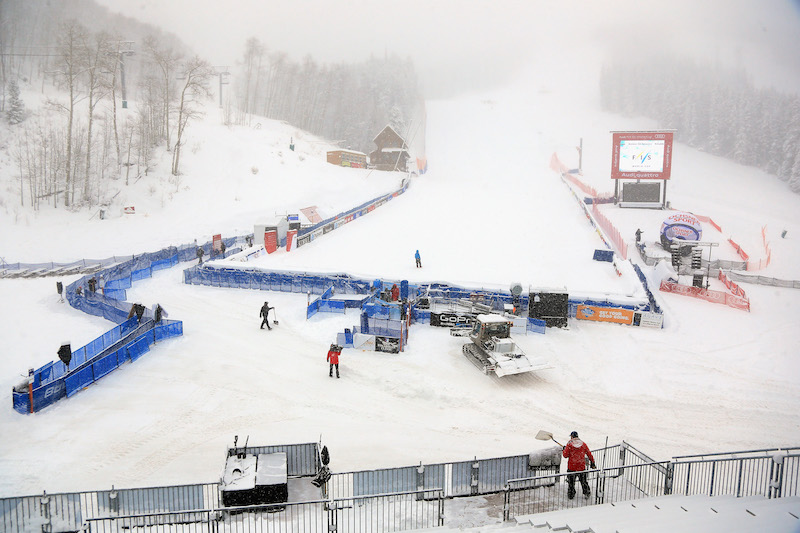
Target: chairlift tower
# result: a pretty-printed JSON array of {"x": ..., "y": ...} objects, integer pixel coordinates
[
  {"x": 124, "y": 48},
  {"x": 223, "y": 74}
]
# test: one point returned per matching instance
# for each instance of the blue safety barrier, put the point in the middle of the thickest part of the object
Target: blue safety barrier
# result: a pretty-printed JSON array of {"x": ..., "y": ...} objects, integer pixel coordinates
[
  {"x": 125, "y": 342},
  {"x": 536, "y": 325}
]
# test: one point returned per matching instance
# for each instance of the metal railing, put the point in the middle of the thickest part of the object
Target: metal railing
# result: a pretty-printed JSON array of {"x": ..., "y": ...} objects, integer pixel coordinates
[
  {"x": 394, "y": 499},
  {"x": 772, "y": 475},
  {"x": 67, "y": 511},
  {"x": 769, "y": 473},
  {"x": 463, "y": 478},
  {"x": 549, "y": 493},
  {"x": 399, "y": 511}
]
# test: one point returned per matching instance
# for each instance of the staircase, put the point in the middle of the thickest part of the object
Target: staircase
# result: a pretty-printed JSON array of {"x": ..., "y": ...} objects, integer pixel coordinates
[{"x": 671, "y": 514}]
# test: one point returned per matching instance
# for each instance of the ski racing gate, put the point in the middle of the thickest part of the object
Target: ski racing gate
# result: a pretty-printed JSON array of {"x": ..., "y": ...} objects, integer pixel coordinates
[{"x": 404, "y": 498}]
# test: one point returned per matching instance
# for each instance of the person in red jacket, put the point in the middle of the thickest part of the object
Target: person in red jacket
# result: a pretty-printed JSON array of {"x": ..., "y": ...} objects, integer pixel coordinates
[
  {"x": 576, "y": 452},
  {"x": 395, "y": 292},
  {"x": 333, "y": 359}
]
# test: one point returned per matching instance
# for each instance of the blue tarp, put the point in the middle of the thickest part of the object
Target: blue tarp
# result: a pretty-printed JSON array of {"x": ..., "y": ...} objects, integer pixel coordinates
[{"x": 603, "y": 255}]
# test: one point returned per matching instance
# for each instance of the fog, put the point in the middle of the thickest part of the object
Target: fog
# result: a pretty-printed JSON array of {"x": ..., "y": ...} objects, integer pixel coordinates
[{"x": 463, "y": 45}]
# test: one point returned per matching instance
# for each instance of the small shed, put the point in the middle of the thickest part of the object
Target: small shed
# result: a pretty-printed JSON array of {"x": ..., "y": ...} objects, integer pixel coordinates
[
  {"x": 347, "y": 158},
  {"x": 392, "y": 151}
]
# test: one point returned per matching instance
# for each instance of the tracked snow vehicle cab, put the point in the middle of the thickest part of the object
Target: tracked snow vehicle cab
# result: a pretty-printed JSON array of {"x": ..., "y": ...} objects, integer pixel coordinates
[{"x": 493, "y": 350}]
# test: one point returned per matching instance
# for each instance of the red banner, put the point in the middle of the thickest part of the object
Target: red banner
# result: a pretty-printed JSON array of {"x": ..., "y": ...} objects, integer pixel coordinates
[
  {"x": 716, "y": 297},
  {"x": 270, "y": 241},
  {"x": 290, "y": 236}
]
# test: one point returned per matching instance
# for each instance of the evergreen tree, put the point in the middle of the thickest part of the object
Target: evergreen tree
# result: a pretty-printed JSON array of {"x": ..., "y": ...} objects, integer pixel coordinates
[
  {"x": 16, "y": 108},
  {"x": 794, "y": 178}
]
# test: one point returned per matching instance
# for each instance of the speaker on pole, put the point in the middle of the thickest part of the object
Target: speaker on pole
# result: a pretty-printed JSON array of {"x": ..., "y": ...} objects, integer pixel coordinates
[{"x": 65, "y": 353}]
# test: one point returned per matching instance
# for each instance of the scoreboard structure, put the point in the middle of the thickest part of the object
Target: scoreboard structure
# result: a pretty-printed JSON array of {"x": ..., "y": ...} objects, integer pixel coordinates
[{"x": 642, "y": 162}]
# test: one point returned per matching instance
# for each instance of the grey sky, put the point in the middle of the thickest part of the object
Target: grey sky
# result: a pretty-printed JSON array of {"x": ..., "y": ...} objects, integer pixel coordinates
[{"x": 471, "y": 42}]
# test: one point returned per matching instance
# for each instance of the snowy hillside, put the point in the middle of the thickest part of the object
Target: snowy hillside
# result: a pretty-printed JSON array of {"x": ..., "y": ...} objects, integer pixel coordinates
[{"x": 489, "y": 212}]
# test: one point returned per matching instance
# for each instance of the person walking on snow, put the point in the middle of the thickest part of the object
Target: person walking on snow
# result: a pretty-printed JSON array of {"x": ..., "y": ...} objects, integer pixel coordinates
[
  {"x": 418, "y": 259},
  {"x": 333, "y": 359},
  {"x": 265, "y": 313},
  {"x": 576, "y": 452}
]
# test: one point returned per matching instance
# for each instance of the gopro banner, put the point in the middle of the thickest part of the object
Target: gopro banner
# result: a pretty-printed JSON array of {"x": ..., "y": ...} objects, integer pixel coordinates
[{"x": 450, "y": 319}]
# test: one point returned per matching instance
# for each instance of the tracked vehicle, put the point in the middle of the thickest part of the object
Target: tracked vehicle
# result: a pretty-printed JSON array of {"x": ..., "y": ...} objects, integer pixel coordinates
[{"x": 492, "y": 349}]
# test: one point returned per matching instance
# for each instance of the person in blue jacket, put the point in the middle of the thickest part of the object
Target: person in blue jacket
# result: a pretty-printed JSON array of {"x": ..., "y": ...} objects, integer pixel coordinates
[{"x": 418, "y": 259}]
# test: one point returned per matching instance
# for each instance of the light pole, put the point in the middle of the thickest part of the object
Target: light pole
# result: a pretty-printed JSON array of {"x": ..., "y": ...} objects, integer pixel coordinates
[{"x": 223, "y": 74}]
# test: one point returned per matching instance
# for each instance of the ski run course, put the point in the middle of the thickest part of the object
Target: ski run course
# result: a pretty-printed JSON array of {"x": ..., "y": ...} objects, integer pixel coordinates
[{"x": 488, "y": 213}]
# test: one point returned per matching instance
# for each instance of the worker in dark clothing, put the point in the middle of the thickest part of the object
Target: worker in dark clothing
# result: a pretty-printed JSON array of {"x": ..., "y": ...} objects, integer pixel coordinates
[
  {"x": 265, "y": 314},
  {"x": 200, "y": 253},
  {"x": 138, "y": 310},
  {"x": 638, "y": 235}
]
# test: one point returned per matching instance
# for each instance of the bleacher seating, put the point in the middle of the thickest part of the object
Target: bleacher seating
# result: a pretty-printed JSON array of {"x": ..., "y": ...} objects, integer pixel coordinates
[{"x": 668, "y": 514}]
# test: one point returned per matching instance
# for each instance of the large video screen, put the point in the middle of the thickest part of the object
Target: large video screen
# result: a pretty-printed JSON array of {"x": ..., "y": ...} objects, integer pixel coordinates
[{"x": 641, "y": 155}]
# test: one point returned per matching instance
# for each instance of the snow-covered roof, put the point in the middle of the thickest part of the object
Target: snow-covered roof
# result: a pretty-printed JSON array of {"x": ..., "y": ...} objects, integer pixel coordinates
[
  {"x": 387, "y": 128},
  {"x": 492, "y": 318},
  {"x": 347, "y": 152}
]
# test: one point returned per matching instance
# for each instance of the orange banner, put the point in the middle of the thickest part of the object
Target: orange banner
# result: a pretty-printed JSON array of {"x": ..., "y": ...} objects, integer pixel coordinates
[{"x": 616, "y": 315}]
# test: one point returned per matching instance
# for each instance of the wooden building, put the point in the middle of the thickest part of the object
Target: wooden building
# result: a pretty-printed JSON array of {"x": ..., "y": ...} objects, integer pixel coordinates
[
  {"x": 392, "y": 151},
  {"x": 347, "y": 158}
]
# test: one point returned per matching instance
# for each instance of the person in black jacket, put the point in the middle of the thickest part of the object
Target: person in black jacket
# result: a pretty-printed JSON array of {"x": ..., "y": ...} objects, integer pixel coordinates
[{"x": 265, "y": 313}]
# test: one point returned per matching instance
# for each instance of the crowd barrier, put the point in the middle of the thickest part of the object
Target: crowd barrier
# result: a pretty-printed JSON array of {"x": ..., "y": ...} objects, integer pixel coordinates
[
  {"x": 717, "y": 297},
  {"x": 309, "y": 233},
  {"x": 763, "y": 280},
  {"x": 124, "y": 343},
  {"x": 650, "y": 297}
]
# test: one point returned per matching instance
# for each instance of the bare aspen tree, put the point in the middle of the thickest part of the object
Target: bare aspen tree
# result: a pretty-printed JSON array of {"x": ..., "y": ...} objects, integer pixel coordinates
[
  {"x": 167, "y": 61},
  {"x": 196, "y": 76},
  {"x": 253, "y": 57},
  {"x": 69, "y": 66},
  {"x": 99, "y": 61}
]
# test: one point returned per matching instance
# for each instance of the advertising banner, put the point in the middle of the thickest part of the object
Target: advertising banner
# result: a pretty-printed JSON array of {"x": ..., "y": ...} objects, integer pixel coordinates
[
  {"x": 716, "y": 297},
  {"x": 387, "y": 344},
  {"x": 291, "y": 236},
  {"x": 648, "y": 319},
  {"x": 271, "y": 241},
  {"x": 616, "y": 315},
  {"x": 216, "y": 243},
  {"x": 448, "y": 319},
  {"x": 641, "y": 155}
]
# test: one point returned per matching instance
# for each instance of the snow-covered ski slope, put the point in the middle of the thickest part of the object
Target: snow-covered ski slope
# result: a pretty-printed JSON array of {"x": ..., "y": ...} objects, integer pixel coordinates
[{"x": 489, "y": 212}]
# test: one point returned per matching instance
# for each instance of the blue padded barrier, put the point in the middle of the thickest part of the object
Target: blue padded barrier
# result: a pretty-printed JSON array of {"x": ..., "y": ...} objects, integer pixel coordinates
[
  {"x": 78, "y": 380},
  {"x": 536, "y": 325},
  {"x": 139, "y": 347},
  {"x": 105, "y": 365}
]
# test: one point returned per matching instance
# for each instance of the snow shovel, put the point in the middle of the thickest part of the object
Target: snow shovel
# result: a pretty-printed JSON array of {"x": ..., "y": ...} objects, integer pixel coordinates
[
  {"x": 275, "y": 320},
  {"x": 546, "y": 435}
]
